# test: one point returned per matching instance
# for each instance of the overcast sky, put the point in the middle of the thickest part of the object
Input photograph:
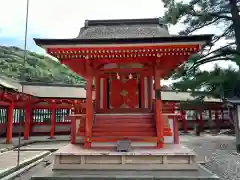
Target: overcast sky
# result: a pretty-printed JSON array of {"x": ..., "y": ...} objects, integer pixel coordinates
[{"x": 63, "y": 18}]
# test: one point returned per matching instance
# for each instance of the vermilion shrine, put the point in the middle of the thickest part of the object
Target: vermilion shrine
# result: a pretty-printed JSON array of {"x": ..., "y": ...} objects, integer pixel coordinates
[{"x": 124, "y": 61}]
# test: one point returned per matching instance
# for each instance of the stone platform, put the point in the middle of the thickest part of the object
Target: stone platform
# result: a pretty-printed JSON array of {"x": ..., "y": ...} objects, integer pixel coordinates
[
  {"x": 72, "y": 162},
  {"x": 173, "y": 156},
  {"x": 200, "y": 174}
]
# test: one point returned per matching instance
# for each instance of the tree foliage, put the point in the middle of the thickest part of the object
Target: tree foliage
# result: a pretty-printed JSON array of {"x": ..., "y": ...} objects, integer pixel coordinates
[
  {"x": 37, "y": 68},
  {"x": 218, "y": 83},
  {"x": 196, "y": 15}
]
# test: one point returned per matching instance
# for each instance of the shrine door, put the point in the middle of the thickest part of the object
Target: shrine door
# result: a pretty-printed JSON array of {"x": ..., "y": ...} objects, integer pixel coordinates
[{"x": 124, "y": 93}]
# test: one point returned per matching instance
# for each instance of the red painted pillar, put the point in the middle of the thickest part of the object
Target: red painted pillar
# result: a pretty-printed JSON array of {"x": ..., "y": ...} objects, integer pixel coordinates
[
  {"x": 104, "y": 79},
  {"x": 53, "y": 120},
  {"x": 175, "y": 128},
  {"x": 150, "y": 92},
  {"x": 73, "y": 128},
  {"x": 222, "y": 113},
  {"x": 27, "y": 122},
  {"x": 142, "y": 87},
  {"x": 230, "y": 117},
  {"x": 158, "y": 112},
  {"x": 210, "y": 117},
  {"x": 184, "y": 121},
  {"x": 201, "y": 123},
  {"x": 89, "y": 113},
  {"x": 217, "y": 119},
  {"x": 9, "y": 123},
  {"x": 97, "y": 93}
]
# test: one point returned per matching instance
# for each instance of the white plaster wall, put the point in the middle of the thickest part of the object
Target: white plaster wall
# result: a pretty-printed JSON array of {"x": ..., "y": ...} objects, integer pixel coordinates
[
  {"x": 181, "y": 96},
  {"x": 78, "y": 92},
  {"x": 55, "y": 91},
  {"x": 41, "y": 128}
]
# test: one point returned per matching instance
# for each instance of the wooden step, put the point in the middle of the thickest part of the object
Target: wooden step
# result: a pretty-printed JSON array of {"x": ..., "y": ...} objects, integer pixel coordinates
[
  {"x": 122, "y": 135},
  {"x": 124, "y": 121},
  {"x": 120, "y": 129},
  {"x": 115, "y": 139},
  {"x": 167, "y": 133},
  {"x": 122, "y": 125},
  {"x": 124, "y": 116},
  {"x": 126, "y": 132},
  {"x": 119, "y": 133}
]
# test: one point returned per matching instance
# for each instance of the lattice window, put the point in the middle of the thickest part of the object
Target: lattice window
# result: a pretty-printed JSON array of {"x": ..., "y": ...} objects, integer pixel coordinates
[
  {"x": 3, "y": 115},
  {"x": 18, "y": 115},
  {"x": 61, "y": 113},
  {"x": 41, "y": 115}
]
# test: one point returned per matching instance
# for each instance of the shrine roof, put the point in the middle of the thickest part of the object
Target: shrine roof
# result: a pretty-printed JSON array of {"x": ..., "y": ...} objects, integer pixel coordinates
[
  {"x": 9, "y": 83},
  {"x": 169, "y": 39},
  {"x": 234, "y": 100},
  {"x": 124, "y": 31},
  {"x": 123, "y": 28}
]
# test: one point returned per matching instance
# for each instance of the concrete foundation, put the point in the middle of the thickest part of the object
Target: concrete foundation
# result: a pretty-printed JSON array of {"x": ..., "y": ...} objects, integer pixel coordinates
[
  {"x": 172, "y": 162},
  {"x": 173, "y": 156},
  {"x": 200, "y": 174}
]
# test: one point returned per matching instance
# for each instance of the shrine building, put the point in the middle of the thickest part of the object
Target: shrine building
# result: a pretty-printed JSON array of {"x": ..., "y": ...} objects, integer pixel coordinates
[{"x": 124, "y": 62}]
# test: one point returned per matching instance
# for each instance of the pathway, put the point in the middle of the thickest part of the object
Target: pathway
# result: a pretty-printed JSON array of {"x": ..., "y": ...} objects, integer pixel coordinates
[
  {"x": 33, "y": 139},
  {"x": 8, "y": 160},
  {"x": 218, "y": 150},
  {"x": 28, "y": 154}
]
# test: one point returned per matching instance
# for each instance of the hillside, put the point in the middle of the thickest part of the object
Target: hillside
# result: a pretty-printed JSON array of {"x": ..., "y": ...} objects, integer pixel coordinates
[{"x": 38, "y": 68}]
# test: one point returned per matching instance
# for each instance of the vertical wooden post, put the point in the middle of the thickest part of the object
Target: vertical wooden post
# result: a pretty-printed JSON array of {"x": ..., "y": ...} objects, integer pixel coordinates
[
  {"x": 210, "y": 123},
  {"x": 150, "y": 92},
  {"x": 10, "y": 123},
  {"x": 97, "y": 92},
  {"x": 184, "y": 121},
  {"x": 197, "y": 119},
  {"x": 105, "y": 96},
  {"x": 142, "y": 90},
  {"x": 73, "y": 125},
  {"x": 158, "y": 112},
  {"x": 175, "y": 130},
  {"x": 27, "y": 122},
  {"x": 53, "y": 120},
  {"x": 89, "y": 108},
  {"x": 217, "y": 119},
  {"x": 73, "y": 130},
  {"x": 222, "y": 113},
  {"x": 231, "y": 117},
  {"x": 201, "y": 123}
]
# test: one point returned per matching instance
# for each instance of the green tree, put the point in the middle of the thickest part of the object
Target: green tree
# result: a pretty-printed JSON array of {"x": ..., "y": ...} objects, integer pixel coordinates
[
  {"x": 198, "y": 14},
  {"x": 38, "y": 68}
]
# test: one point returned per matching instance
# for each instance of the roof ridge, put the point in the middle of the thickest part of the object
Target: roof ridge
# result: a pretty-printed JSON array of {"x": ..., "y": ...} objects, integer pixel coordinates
[{"x": 111, "y": 22}]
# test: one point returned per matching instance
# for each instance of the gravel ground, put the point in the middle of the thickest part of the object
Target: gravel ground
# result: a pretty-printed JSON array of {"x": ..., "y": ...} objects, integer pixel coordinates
[{"x": 220, "y": 153}]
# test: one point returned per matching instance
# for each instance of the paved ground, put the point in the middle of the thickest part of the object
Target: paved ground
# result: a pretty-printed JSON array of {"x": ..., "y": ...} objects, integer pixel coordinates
[
  {"x": 5, "y": 147},
  {"x": 49, "y": 146},
  {"x": 38, "y": 168},
  {"x": 8, "y": 160},
  {"x": 218, "y": 150}
]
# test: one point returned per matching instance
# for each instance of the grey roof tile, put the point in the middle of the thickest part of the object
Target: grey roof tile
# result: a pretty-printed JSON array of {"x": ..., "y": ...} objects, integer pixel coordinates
[{"x": 123, "y": 29}]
